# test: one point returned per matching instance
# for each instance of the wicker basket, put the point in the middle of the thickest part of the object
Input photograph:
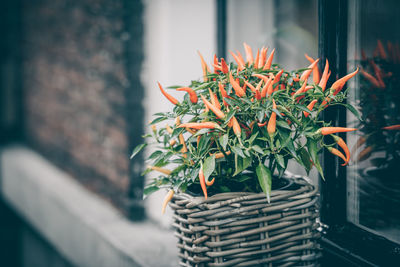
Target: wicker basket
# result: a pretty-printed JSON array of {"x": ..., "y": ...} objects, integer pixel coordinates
[{"x": 242, "y": 229}]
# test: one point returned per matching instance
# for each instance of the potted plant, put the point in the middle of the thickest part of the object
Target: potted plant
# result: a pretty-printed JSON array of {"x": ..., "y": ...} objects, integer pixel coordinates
[{"x": 229, "y": 146}]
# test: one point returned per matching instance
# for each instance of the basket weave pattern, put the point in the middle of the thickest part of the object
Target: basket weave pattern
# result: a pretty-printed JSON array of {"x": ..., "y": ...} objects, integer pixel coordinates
[{"x": 242, "y": 229}]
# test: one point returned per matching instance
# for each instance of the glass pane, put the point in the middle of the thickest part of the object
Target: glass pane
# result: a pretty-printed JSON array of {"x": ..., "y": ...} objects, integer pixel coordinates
[
  {"x": 288, "y": 26},
  {"x": 374, "y": 178}
]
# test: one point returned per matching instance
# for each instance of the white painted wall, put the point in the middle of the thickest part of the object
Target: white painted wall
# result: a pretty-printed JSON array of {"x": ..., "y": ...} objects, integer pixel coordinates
[{"x": 174, "y": 31}]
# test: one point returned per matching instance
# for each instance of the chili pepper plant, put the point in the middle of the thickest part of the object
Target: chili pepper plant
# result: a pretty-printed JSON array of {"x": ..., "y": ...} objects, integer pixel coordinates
[{"x": 238, "y": 127}]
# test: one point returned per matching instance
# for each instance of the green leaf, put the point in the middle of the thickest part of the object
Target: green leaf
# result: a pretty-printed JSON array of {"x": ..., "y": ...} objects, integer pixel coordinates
[
  {"x": 155, "y": 154},
  {"x": 149, "y": 189},
  {"x": 280, "y": 160},
  {"x": 223, "y": 140},
  {"x": 159, "y": 119},
  {"x": 209, "y": 166},
  {"x": 229, "y": 116},
  {"x": 264, "y": 179},
  {"x": 238, "y": 151},
  {"x": 176, "y": 132},
  {"x": 257, "y": 149},
  {"x": 241, "y": 164},
  {"x": 313, "y": 151},
  {"x": 305, "y": 159},
  {"x": 137, "y": 149},
  {"x": 353, "y": 110}
]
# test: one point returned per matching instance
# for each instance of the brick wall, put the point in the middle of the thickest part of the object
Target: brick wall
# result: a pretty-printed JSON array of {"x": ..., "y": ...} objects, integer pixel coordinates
[{"x": 81, "y": 66}]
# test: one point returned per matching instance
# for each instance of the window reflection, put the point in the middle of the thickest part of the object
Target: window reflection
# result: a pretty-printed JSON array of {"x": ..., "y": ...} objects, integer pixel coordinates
[{"x": 374, "y": 177}]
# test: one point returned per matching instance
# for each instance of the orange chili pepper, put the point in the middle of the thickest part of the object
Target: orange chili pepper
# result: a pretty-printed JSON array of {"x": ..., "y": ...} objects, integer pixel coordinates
[
  {"x": 343, "y": 145},
  {"x": 203, "y": 182},
  {"x": 172, "y": 99},
  {"x": 204, "y": 67},
  {"x": 268, "y": 64},
  {"x": 266, "y": 89},
  {"x": 249, "y": 53},
  {"x": 301, "y": 89},
  {"x": 159, "y": 169},
  {"x": 236, "y": 58},
  {"x": 256, "y": 61},
  {"x": 172, "y": 142},
  {"x": 325, "y": 76},
  {"x": 263, "y": 57},
  {"x": 316, "y": 76},
  {"x": 250, "y": 86},
  {"x": 338, "y": 85},
  {"x": 278, "y": 77},
  {"x": 262, "y": 124},
  {"x": 224, "y": 66},
  {"x": 222, "y": 90},
  {"x": 392, "y": 127},
  {"x": 332, "y": 130},
  {"x": 236, "y": 127},
  {"x": 304, "y": 76},
  {"x": 169, "y": 129},
  {"x": 261, "y": 76},
  {"x": 271, "y": 128},
  {"x": 240, "y": 58},
  {"x": 336, "y": 152},
  {"x": 210, "y": 183},
  {"x": 199, "y": 125},
  {"x": 213, "y": 108},
  {"x": 296, "y": 79},
  {"x": 217, "y": 68},
  {"x": 167, "y": 199},
  {"x": 238, "y": 90},
  {"x": 181, "y": 139},
  {"x": 214, "y": 99},
  {"x": 192, "y": 94},
  {"x": 310, "y": 107},
  {"x": 221, "y": 155}
]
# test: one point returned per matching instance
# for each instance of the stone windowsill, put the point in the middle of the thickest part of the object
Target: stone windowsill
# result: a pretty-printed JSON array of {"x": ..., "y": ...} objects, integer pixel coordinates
[{"x": 84, "y": 228}]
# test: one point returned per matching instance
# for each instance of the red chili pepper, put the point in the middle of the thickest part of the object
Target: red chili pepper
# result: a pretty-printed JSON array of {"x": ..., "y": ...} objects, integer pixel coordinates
[
  {"x": 236, "y": 58},
  {"x": 338, "y": 85},
  {"x": 214, "y": 99},
  {"x": 278, "y": 77},
  {"x": 316, "y": 75},
  {"x": 336, "y": 152},
  {"x": 263, "y": 57},
  {"x": 381, "y": 50},
  {"x": 192, "y": 94},
  {"x": 238, "y": 90},
  {"x": 224, "y": 66},
  {"x": 268, "y": 64},
  {"x": 204, "y": 67},
  {"x": 332, "y": 130},
  {"x": 213, "y": 108},
  {"x": 343, "y": 145},
  {"x": 310, "y": 107},
  {"x": 325, "y": 76},
  {"x": 271, "y": 128},
  {"x": 172, "y": 99},
  {"x": 304, "y": 76},
  {"x": 256, "y": 61},
  {"x": 249, "y": 54},
  {"x": 266, "y": 89},
  {"x": 236, "y": 127},
  {"x": 202, "y": 182},
  {"x": 199, "y": 125},
  {"x": 261, "y": 76}
]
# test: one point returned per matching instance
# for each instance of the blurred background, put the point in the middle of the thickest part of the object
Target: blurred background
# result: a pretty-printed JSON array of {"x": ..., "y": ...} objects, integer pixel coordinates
[{"x": 78, "y": 87}]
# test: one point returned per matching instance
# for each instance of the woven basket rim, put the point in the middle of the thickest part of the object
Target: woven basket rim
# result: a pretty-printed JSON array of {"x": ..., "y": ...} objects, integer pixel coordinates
[{"x": 301, "y": 182}]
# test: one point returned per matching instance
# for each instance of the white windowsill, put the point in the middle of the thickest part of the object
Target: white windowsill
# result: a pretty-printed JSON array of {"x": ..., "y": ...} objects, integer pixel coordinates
[{"x": 84, "y": 228}]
